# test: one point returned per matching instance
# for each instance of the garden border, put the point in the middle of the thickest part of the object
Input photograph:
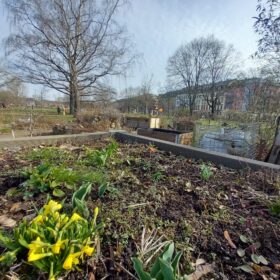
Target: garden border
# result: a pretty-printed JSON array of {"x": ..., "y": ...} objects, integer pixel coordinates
[
  {"x": 52, "y": 139},
  {"x": 177, "y": 149},
  {"x": 230, "y": 161}
]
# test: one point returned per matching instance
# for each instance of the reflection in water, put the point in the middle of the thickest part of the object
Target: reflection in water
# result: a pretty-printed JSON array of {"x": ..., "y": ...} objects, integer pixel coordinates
[{"x": 239, "y": 141}]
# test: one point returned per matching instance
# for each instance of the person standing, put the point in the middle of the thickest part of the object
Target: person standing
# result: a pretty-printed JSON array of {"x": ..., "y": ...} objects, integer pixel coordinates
[{"x": 58, "y": 110}]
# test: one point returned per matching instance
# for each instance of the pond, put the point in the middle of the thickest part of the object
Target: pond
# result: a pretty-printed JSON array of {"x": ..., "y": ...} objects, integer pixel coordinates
[{"x": 240, "y": 140}]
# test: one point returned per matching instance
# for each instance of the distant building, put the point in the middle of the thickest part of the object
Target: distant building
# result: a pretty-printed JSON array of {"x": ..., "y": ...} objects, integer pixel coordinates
[
  {"x": 141, "y": 104},
  {"x": 30, "y": 102},
  {"x": 235, "y": 95}
]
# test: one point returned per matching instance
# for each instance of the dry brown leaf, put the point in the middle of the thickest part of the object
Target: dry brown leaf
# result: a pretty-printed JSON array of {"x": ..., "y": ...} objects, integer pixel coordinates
[
  {"x": 230, "y": 242},
  {"x": 200, "y": 271},
  {"x": 18, "y": 206},
  {"x": 152, "y": 149},
  {"x": 30, "y": 217},
  {"x": 7, "y": 222},
  {"x": 200, "y": 262},
  {"x": 91, "y": 276},
  {"x": 257, "y": 268},
  {"x": 264, "y": 277},
  {"x": 277, "y": 266}
]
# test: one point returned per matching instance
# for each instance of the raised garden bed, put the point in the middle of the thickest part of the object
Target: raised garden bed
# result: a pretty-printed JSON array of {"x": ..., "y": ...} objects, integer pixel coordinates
[
  {"x": 167, "y": 135},
  {"x": 224, "y": 221},
  {"x": 141, "y": 122}
]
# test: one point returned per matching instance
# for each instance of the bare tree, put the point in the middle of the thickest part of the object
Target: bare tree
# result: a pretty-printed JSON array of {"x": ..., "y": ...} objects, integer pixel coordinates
[
  {"x": 137, "y": 99},
  {"x": 7, "y": 79},
  {"x": 220, "y": 67},
  {"x": 68, "y": 45},
  {"x": 145, "y": 96},
  {"x": 11, "y": 89},
  {"x": 186, "y": 68},
  {"x": 267, "y": 25}
]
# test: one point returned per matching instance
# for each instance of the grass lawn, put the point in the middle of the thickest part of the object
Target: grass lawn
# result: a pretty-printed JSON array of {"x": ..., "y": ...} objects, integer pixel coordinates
[{"x": 17, "y": 118}]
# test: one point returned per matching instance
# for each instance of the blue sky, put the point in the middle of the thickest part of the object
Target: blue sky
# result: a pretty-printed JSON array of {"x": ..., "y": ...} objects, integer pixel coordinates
[{"x": 158, "y": 27}]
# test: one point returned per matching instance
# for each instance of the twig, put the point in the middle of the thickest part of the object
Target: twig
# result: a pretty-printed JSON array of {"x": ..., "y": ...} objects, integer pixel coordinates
[
  {"x": 137, "y": 205},
  {"x": 128, "y": 272},
  {"x": 106, "y": 276}
]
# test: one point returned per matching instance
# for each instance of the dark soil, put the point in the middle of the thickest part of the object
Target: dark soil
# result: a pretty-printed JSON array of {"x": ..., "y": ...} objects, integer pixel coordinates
[{"x": 158, "y": 190}]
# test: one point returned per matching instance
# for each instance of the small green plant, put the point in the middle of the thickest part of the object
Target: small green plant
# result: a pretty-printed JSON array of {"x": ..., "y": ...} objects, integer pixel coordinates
[
  {"x": 46, "y": 177},
  {"x": 258, "y": 263},
  {"x": 157, "y": 176},
  {"x": 50, "y": 154},
  {"x": 100, "y": 157},
  {"x": 274, "y": 208},
  {"x": 146, "y": 166},
  {"x": 53, "y": 242},
  {"x": 165, "y": 267},
  {"x": 78, "y": 199},
  {"x": 107, "y": 187},
  {"x": 205, "y": 172}
]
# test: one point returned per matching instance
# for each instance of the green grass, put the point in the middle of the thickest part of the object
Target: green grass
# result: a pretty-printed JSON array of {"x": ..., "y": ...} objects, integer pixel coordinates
[
  {"x": 5, "y": 130},
  {"x": 216, "y": 123},
  {"x": 43, "y": 118},
  {"x": 24, "y": 109}
]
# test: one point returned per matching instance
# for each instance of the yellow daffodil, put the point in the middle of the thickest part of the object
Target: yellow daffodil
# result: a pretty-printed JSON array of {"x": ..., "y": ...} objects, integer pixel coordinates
[
  {"x": 58, "y": 246},
  {"x": 88, "y": 250},
  {"x": 38, "y": 220},
  {"x": 37, "y": 244},
  {"x": 72, "y": 259},
  {"x": 75, "y": 217},
  {"x": 63, "y": 219},
  {"x": 35, "y": 250},
  {"x": 56, "y": 215},
  {"x": 52, "y": 207},
  {"x": 68, "y": 263},
  {"x": 32, "y": 257}
]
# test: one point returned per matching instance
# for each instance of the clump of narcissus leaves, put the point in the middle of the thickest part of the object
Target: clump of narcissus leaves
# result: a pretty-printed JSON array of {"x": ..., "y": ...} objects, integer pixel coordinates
[{"x": 53, "y": 242}]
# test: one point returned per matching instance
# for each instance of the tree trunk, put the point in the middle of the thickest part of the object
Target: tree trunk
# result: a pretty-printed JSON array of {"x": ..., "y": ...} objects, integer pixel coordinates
[
  {"x": 191, "y": 110},
  {"x": 213, "y": 108},
  {"x": 212, "y": 112},
  {"x": 71, "y": 103},
  {"x": 77, "y": 103}
]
